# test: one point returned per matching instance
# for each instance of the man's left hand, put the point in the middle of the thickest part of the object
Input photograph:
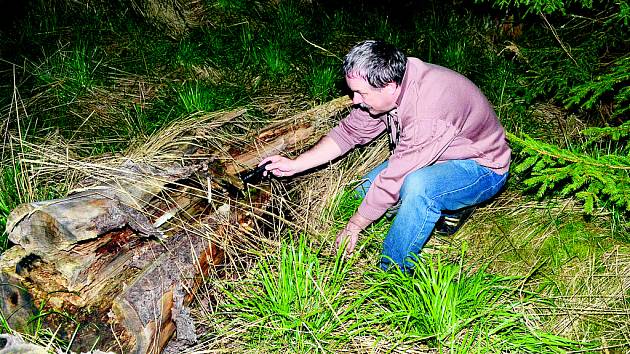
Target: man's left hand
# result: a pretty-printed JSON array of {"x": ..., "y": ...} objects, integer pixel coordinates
[{"x": 351, "y": 232}]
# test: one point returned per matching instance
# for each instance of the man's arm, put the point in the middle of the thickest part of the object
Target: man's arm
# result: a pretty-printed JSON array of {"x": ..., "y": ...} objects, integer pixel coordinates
[{"x": 324, "y": 151}]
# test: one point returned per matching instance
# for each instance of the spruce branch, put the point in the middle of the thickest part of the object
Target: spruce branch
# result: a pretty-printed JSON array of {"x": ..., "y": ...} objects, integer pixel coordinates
[
  {"x": 596, "y": 179},
  {"x": 561, "y": 155}
]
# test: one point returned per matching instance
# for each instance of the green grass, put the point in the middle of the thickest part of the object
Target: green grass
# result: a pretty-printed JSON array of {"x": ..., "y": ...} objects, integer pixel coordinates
[
  {"x": 198, "y": 97},
  {"x": 12, "y": 193},
  {"x": 452, "y": 308},
  {"x": 190, "y": 52},
  {"x": 5, "y": 208},
  {"x": 321, "y": 81},
  {"x": 341, "y": 208},
  {"x": 17, "y": 187},
  {"x": 276, "y": 60},
  {"x": 303, "y": 301},
  {"x": 573, "y": 241},
  {"x": 291, "y": 19},
  {"x": 68, "y": 72},
  {"x": 294, "y": 300}
]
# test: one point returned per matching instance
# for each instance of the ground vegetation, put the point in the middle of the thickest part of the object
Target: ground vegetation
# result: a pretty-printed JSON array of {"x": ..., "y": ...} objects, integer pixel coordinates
[{"x": 541, "y": 268}]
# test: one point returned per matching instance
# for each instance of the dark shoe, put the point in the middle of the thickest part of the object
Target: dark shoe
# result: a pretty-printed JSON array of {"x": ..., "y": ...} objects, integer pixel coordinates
[{"x": 450, "y": 223}]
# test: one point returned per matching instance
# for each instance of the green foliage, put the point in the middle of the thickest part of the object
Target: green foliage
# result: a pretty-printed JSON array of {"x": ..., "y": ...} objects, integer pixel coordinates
[
  {"x": 68, "y": 72},
  {"x": 551, "y": 73},
  {"x": 618, "y": 135},
  {"x": 344, "y": 206},
  {"x": 276, "y": 60},
  {"x": 453, "y": 41},
  {"x": 189, "y": 53},
  {"x": 573, "y": 241},
  {"x": 321, "y": 81},
  {"x": 620, "y": 7},
  {"x": 17, "y": 187},
  {"x": 458, "y": 310},
  {"x": 12, "y": 192},
  {"x": 614, "y": 81},
  {"x": 384, "y": 30},
  {"x": 236, "y": 5},
  {"x": 197, "y": 97},
  {"x": 341, "y": 209},
  {"x": 296, "y": 301},
  {"x": 624, "y": 12},
  {"x": 247, "y": 43},
  {"x": 290, "y": 21},
  {"x": 4, "y": 213},
  {"x": 581, "y": 65},
  {"x": 595, "y": 178},
  {"x": 545, "y": 6},
  {"x": 435, "y": 301}
]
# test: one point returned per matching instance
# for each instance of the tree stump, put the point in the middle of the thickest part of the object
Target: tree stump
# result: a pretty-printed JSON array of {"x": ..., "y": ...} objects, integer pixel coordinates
[{"x": 115, "y": 264}]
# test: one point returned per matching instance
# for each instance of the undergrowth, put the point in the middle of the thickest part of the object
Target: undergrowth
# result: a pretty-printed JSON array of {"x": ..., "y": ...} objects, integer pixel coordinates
[
  {"x": 92, "y": 82},
  {"x": 300, "y": 300},
  {"x": 294, "y": 299}
]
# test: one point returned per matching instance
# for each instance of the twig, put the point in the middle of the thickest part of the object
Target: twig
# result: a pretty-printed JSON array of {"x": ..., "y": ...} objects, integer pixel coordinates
[
  {"x": 555, "y": 34},
  {"x": 320, "y": 48}
]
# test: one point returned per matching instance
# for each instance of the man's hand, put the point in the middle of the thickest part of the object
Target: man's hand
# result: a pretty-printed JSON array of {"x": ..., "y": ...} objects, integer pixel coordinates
[
  {"x": 281, "y": 166},
  {"x": 350, "y": 233},
  {"x": 325, "y": 150}
]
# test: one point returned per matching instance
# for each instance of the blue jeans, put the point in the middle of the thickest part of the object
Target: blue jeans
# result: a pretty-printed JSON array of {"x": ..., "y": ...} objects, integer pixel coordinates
[{"x": 425, "y": 193}]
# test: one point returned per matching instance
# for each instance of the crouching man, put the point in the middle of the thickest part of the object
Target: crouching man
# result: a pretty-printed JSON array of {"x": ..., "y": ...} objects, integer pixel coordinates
[{"x": 448, "y": 149}]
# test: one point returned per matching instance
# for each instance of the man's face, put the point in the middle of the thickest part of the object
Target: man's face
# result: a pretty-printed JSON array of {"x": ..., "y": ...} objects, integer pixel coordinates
[{"x": 374, "y": 100}]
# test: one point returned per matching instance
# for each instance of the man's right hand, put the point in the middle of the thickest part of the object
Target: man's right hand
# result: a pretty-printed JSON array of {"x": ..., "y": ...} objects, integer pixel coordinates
[
  {"x": 281, "y": 166},
  {"x": 325, "y": 150}
]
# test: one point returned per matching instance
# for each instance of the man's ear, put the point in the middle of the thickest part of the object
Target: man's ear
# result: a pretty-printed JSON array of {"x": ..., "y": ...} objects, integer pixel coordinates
[{"x": 391, "y": 87}]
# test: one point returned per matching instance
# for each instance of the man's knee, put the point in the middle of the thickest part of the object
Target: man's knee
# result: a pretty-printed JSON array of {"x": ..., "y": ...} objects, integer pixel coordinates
[{"x": 415, "y": 186}]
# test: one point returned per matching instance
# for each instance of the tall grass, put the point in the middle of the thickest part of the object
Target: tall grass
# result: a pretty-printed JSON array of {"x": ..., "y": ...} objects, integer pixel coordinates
[
  {"x": 19, "y": 185},
  {"x": 321, "y": 81},
  {"x": 14, "y": 190},
  {"x": 294, "y": 299},
  {"x": 276, "y": 60},
  {"x": 453, "y": 308},
  {"x": 199, "y": 97},
  {"x": 299, "y": 300},
  {"x": 68, "y": 72},
  {"x": 5, "y": 208}
]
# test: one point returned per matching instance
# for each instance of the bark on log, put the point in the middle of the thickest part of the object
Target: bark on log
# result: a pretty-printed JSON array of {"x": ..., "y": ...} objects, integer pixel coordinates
[{"x": 119, "y": 262}]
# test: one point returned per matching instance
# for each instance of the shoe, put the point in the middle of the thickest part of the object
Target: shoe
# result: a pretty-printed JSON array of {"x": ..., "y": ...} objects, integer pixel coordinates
[{"x": 449, "y": 224}]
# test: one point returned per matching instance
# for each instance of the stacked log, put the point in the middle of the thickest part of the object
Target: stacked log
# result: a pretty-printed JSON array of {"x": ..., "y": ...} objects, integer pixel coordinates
[{"x": 116, "y": 264}]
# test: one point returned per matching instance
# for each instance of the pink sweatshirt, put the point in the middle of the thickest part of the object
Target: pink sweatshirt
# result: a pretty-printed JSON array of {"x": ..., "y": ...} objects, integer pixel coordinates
[{"x": 442, "y": 116}]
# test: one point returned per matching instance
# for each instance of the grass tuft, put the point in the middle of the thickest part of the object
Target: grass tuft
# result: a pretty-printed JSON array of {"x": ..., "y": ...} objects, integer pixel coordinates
[
  {"x": 321, "y": 82},
  {"x": 69, "y": 72},
  {"x": 197, "y": 97},
  {"x": 296, "y": 301},
  {"x": 276, "y": 60},
  {"x": 461, "y": 310}
]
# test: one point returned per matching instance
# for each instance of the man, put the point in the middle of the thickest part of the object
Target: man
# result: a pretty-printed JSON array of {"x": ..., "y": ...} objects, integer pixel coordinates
[{"x": 448, "y": 147}]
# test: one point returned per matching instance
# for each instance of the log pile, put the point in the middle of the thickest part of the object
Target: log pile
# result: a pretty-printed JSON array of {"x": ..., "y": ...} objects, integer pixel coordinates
[{"x": 116, "y": 263}]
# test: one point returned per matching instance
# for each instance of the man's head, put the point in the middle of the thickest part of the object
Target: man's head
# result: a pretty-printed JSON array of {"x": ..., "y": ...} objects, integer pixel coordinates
[{"x": 374, "y": 71}]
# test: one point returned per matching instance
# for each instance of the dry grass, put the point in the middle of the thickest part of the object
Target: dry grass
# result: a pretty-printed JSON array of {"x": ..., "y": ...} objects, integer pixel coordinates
[
  {"x": 316, "y": 190},
  {"x": 586, "y": 294}
]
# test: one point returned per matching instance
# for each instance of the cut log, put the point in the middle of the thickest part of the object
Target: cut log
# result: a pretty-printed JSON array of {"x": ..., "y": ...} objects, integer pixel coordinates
[{"x": 115, "y": 264}]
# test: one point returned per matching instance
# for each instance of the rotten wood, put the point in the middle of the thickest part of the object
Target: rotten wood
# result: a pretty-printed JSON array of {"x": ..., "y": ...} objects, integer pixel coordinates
[{"x": 119, "y": 261}]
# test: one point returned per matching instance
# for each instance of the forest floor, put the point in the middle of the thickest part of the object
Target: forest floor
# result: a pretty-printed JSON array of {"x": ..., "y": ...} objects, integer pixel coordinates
[{"x": 525, "y": 273}]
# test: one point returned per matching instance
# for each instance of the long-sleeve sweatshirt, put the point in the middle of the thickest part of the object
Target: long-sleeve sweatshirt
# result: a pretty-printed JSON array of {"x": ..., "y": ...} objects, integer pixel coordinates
[{"x": 440, "y": 116}]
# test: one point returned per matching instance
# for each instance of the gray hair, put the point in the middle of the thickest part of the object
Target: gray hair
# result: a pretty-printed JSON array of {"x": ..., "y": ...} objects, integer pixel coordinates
[{"x": 377, "y": 62}]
